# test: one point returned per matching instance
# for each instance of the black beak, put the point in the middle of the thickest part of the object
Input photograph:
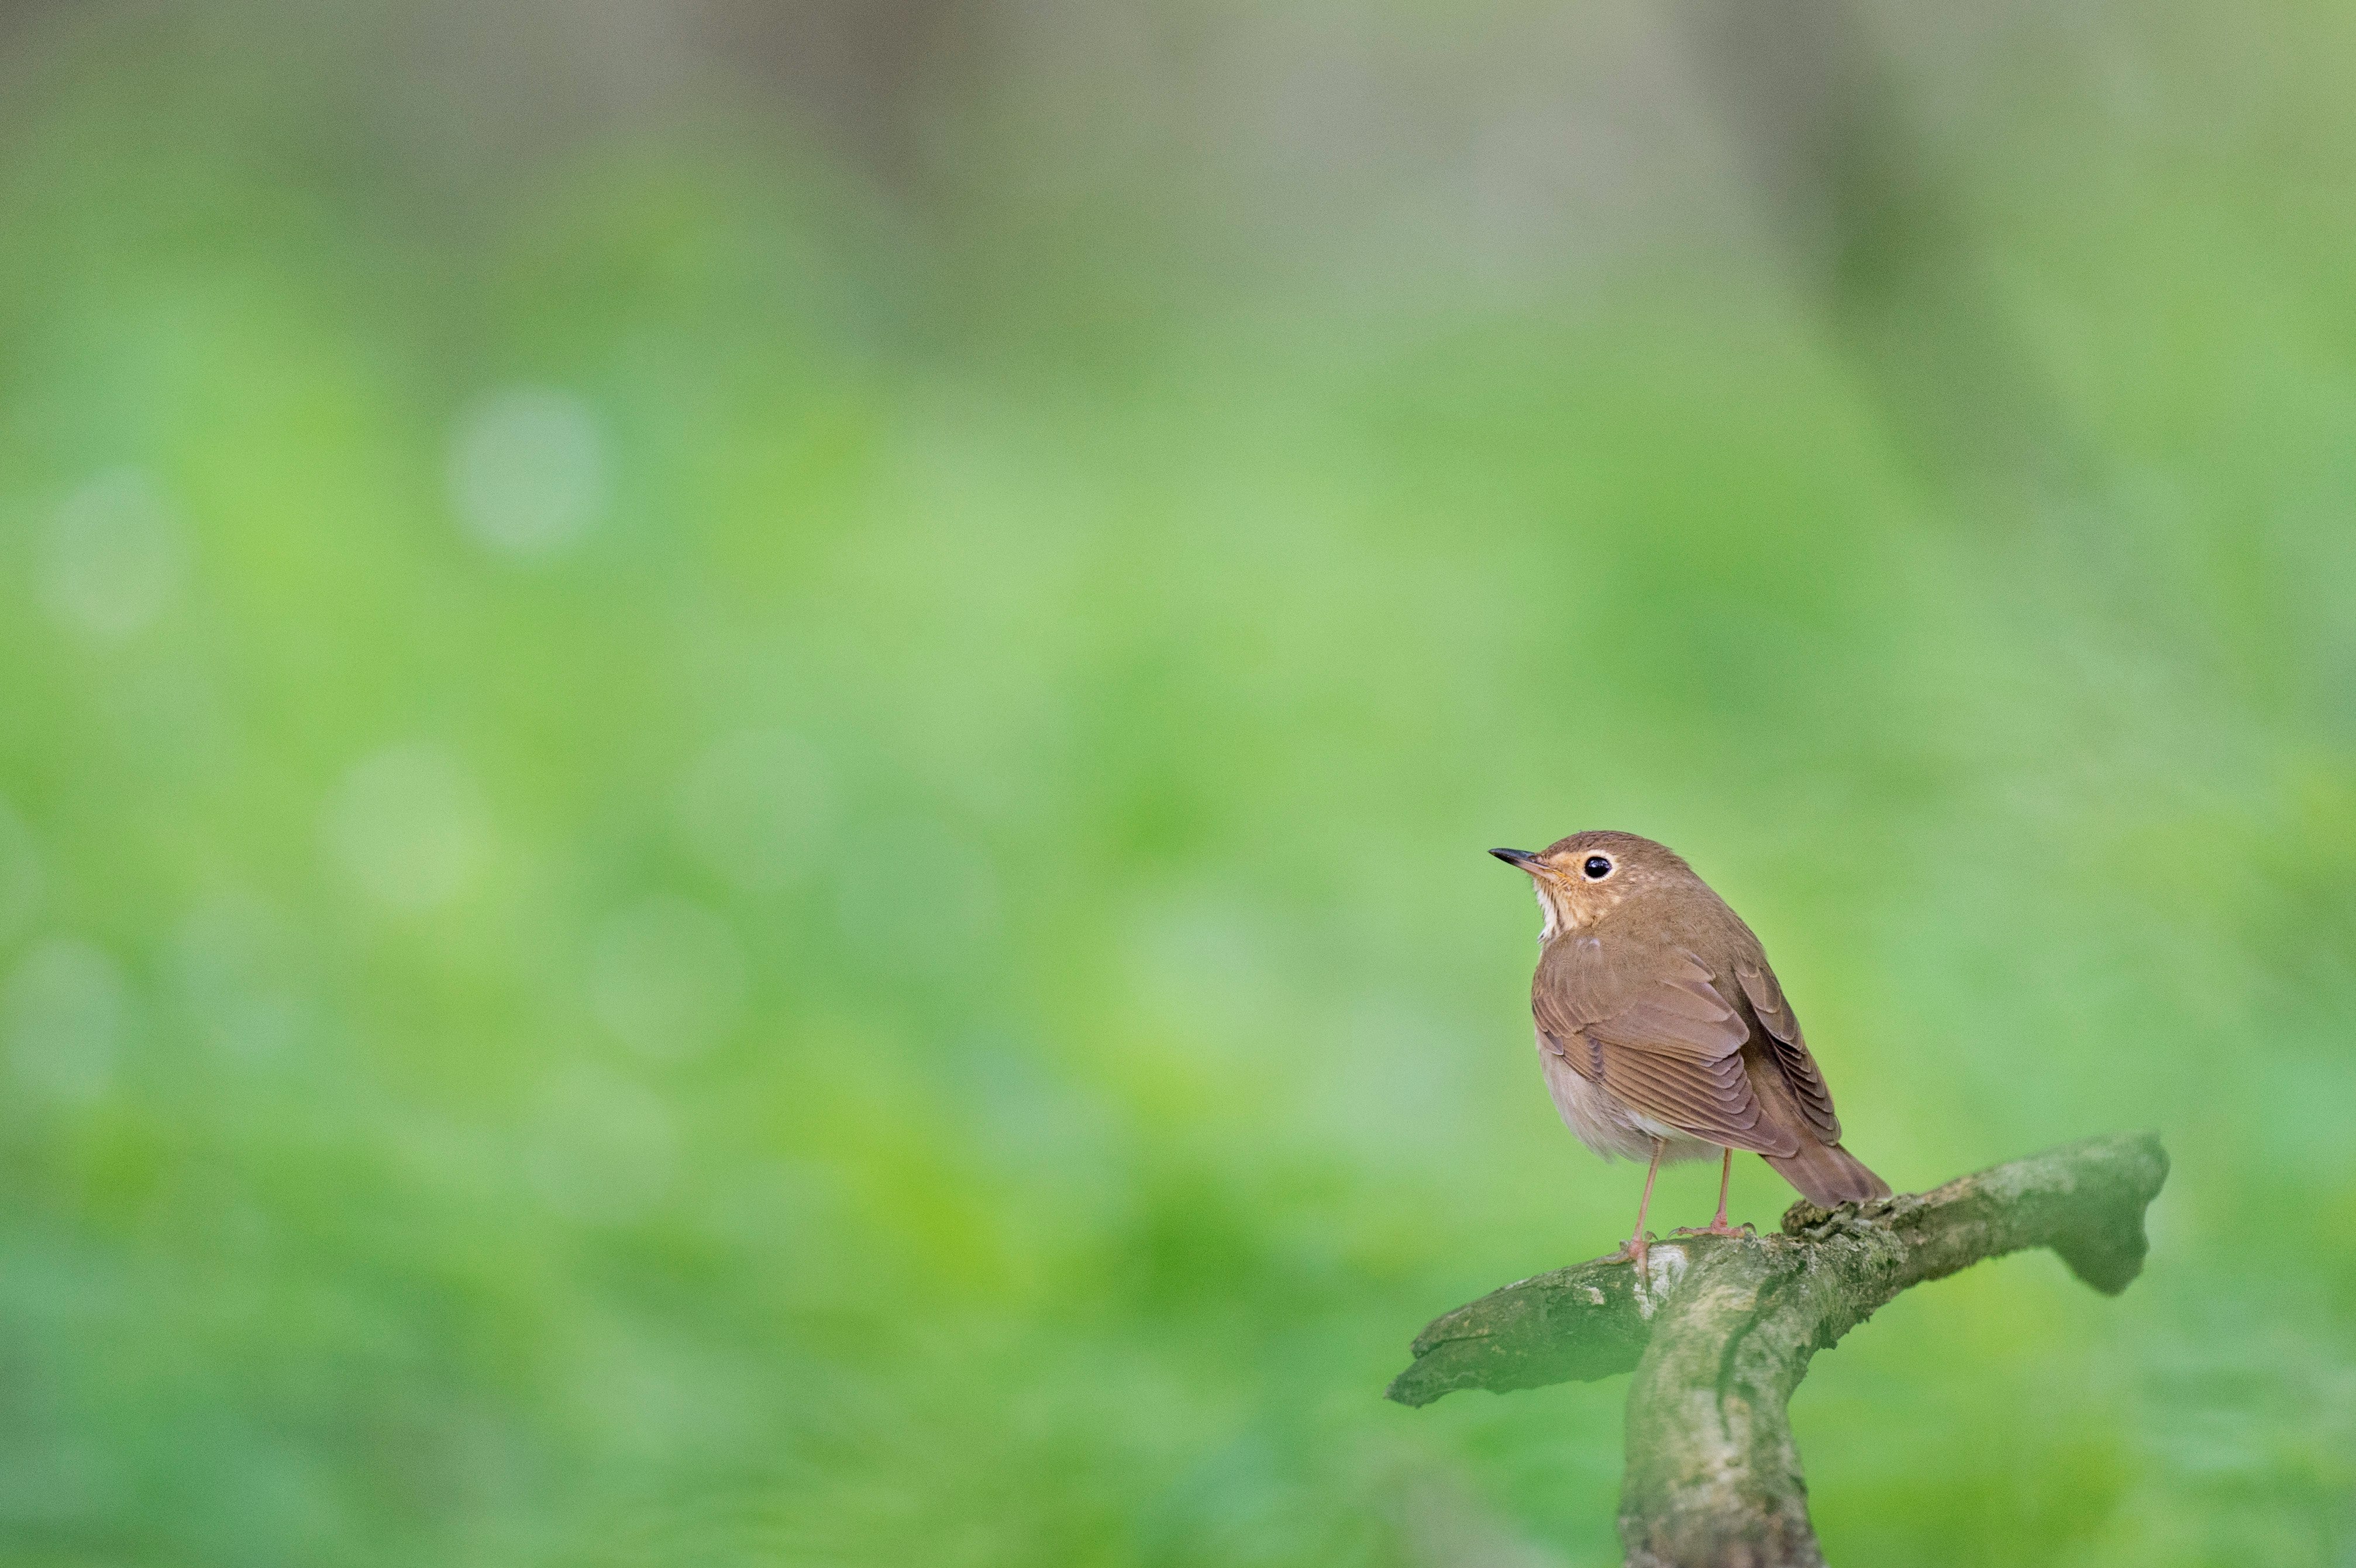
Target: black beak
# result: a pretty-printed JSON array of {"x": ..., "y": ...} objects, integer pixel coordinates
[{"x": 1521, "y": 858}]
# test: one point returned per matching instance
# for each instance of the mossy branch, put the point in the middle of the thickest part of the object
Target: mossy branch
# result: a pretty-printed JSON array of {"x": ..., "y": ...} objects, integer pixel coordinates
[{"x": 1720, "y": 1331}]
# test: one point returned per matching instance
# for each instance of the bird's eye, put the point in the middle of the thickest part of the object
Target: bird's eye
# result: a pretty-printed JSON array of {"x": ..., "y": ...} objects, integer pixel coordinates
[{"x": 1597, "y": 868}]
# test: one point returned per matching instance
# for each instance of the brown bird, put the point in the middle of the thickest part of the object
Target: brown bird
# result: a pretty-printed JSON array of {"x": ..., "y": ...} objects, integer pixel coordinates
[{"x": 1663, "y": 1031}]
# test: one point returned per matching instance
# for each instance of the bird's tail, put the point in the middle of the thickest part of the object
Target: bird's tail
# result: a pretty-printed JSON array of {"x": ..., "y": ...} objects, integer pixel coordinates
[{"x": 1827, "y": 1173}]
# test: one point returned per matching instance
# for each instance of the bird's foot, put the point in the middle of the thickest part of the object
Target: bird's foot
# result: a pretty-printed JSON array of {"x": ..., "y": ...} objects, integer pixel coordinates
[
  {"x": 1631, "y": 1251},
  {"x": 1717, "y": 1227}
]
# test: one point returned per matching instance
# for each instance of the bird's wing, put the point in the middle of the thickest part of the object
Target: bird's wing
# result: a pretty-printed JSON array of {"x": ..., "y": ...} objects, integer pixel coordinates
[
  {"x": 1788, "y": 1045},
  {"x": 1657, "y": 1031}
]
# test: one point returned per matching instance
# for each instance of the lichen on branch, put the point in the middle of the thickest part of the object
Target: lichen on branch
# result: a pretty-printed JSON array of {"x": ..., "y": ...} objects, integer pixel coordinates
[{"x": 1716, "y": 1479}]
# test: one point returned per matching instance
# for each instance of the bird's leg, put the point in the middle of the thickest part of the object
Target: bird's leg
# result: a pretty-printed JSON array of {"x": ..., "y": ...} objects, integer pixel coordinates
[
  {"x": 1718, "y": 1227},
  {"x": 1634, "y": 1251}
]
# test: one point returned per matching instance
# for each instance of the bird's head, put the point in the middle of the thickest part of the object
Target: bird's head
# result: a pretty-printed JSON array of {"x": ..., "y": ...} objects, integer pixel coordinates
[{"x": 1581, "y": 879}]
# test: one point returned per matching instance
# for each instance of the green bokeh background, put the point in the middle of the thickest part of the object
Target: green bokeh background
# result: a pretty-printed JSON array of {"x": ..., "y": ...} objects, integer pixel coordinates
[{"x": 744, "y": 757}]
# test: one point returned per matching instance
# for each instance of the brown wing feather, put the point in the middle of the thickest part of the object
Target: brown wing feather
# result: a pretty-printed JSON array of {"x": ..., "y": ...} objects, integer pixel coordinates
[
  {"x": 1789, "y": 1047},
  {"x": 1660, "y": 1035}
]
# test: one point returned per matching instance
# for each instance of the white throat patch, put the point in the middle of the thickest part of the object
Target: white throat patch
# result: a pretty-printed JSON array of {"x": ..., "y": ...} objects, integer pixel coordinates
[{"x": 1547, "y": 914}]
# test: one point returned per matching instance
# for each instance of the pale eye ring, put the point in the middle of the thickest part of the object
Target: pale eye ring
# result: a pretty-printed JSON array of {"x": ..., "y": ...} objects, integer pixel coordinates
[{"x": 1597, "y": 867}]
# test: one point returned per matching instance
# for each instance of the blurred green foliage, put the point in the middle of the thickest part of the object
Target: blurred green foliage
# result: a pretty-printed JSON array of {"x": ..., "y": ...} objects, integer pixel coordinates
[{"x": 702, "y": 867}]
